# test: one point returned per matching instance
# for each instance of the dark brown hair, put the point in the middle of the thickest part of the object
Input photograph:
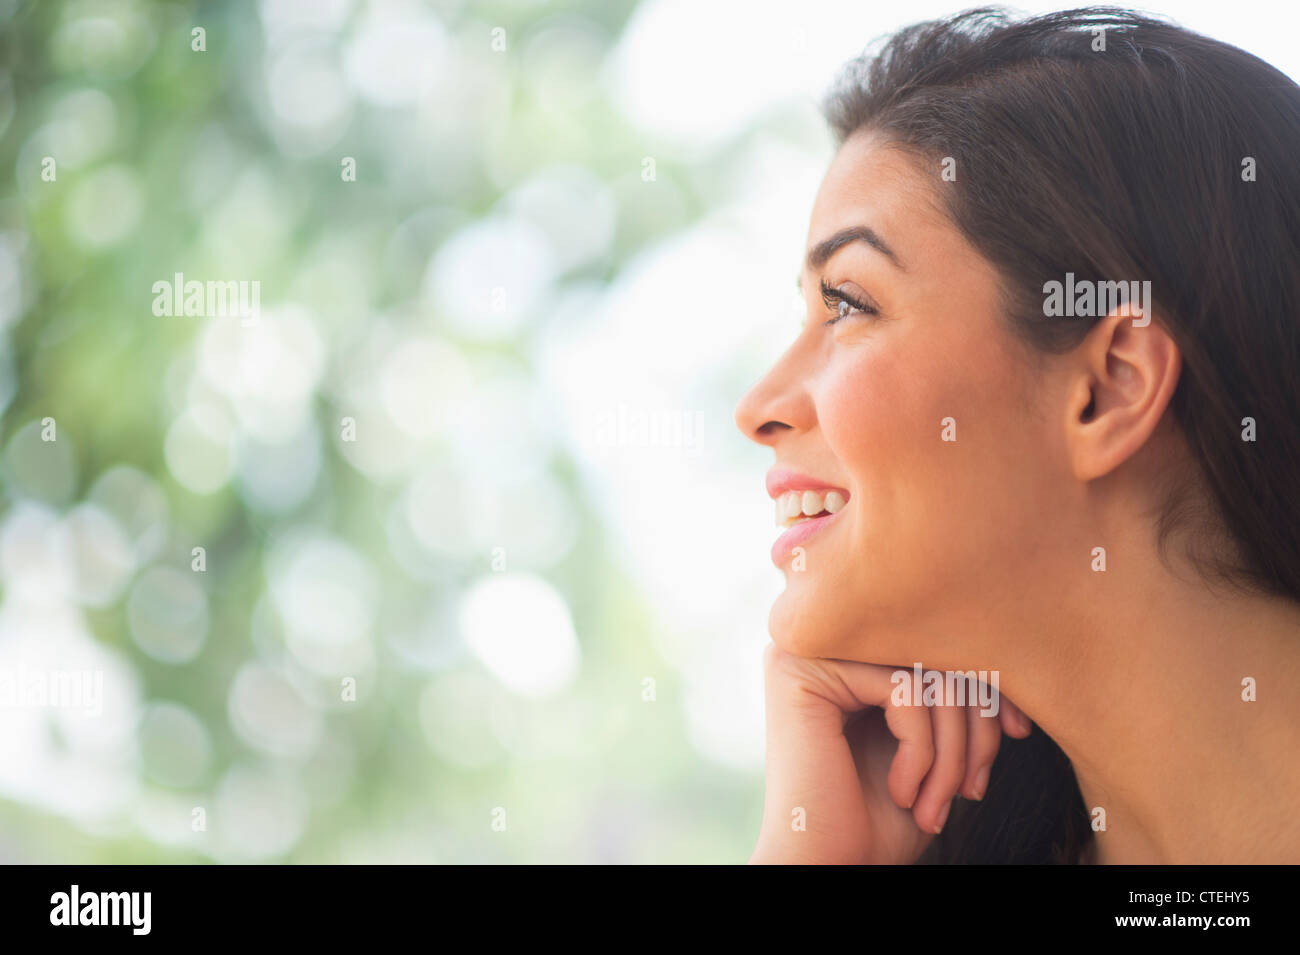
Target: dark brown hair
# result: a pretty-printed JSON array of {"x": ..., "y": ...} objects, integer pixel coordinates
[{"x": 1164, "y": 156}]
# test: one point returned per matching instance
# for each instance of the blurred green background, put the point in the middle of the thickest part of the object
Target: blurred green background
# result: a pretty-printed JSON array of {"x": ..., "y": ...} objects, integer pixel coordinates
[{"x": 472, "y": 456}]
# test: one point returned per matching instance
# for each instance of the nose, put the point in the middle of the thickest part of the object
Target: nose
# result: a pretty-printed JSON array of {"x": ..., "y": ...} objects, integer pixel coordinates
[{"x": 778, "y": 404}]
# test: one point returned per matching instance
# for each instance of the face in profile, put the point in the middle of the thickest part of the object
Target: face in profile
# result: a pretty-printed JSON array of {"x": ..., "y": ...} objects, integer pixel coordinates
[
  {"x": 1073, "y": 498},
  {"x": 907, "y": 409}
]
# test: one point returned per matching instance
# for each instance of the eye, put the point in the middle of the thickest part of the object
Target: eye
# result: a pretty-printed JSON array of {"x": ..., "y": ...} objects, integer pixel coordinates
[{"x": 843, "y": 304}]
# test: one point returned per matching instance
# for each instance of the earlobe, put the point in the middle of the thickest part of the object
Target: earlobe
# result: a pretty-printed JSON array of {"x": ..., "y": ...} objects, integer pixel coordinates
[{"x": 1125, "y": 377}]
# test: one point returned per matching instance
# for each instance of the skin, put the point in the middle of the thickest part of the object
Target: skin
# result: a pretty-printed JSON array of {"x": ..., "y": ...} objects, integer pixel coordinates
[{"x": 978, "y": 553}]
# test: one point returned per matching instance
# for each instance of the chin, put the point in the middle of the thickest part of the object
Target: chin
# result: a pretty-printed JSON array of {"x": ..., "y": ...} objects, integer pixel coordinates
[
  {"x": 800, "y": 624},
  {"x": 826, "y": 618}
]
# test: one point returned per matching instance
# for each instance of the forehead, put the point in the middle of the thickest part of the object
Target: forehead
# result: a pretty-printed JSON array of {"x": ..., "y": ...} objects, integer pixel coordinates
[{"x": 875, "y": 183}]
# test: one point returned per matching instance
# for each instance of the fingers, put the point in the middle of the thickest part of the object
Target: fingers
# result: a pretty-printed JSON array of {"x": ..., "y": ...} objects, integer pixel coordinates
[
  {"x": 911, "y": 726},
  {"x": 815, "y": 806},
  {"x": 983, "y": 738},
  {"x": 867, "y": 684},
  {"x": 930, "y": 765},
  {"x": 955, "y": 756},
  {"x": 949, "y": 724},
  {"x": 942, "y": 750},
  {"x": 1014, "y": 722},
  {"x": 855, "y": 686}
]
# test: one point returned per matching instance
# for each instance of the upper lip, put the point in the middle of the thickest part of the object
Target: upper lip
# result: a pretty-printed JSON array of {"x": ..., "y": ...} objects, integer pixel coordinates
[{"x": 781, "y": 480}]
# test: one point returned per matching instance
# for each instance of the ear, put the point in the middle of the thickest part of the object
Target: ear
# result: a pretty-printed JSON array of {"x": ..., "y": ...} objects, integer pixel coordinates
[{"x": 1123, "y": 378}]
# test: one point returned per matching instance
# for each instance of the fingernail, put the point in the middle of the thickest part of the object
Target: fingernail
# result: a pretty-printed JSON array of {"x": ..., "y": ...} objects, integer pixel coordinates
[
  {"x": 981, "y": 782},
  {"x": 943, "y": 817}
]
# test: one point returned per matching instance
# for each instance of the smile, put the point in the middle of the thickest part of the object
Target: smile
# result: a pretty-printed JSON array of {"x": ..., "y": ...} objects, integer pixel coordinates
[{"x": 804, "y": 506}]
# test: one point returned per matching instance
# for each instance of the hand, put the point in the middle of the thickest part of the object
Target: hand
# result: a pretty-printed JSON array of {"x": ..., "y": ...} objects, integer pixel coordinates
[{"x": 874, "y": 781}]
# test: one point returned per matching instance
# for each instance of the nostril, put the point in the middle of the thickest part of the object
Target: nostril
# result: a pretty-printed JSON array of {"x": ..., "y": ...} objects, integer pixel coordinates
[{"x": 769, "y": 428}]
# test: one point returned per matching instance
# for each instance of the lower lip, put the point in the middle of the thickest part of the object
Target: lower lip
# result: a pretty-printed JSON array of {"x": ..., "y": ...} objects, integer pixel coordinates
[{"x": 797, "y": 535}]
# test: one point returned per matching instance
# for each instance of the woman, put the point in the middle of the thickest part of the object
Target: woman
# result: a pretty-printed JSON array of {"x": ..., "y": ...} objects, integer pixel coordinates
[{"x": 1019, "y": 467}]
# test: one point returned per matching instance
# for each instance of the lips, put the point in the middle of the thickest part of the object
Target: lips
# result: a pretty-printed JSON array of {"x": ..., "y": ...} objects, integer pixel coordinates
[{"x": 805, "y": 505}]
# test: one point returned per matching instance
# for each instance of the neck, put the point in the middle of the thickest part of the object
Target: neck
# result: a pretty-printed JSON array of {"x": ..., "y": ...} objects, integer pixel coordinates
[{"x": 1160, "y": 732}]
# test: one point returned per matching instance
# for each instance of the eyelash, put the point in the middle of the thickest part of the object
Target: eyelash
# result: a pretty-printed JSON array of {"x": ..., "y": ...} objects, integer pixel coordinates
[{"x": 833, "y": 296}]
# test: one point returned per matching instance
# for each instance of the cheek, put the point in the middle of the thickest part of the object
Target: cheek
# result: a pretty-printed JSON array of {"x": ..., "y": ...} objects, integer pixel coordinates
[
  {"x": 934, "y": 496},
  {"x": 880, "y": 410}
]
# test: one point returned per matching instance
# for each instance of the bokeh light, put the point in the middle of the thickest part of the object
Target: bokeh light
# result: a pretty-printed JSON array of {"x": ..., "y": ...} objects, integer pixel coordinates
[{"x": 458, "y": 521}]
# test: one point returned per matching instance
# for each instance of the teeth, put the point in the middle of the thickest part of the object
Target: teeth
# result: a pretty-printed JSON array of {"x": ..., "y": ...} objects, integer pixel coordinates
[{"x": 794, "y": 506}]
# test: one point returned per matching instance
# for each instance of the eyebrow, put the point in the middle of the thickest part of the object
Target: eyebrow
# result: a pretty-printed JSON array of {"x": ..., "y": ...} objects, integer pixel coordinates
[{"x": 822, "y": 251}]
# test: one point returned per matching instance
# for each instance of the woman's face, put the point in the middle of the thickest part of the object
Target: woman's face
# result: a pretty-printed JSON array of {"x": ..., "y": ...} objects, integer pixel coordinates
[{"x": 922, "y": 417}]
